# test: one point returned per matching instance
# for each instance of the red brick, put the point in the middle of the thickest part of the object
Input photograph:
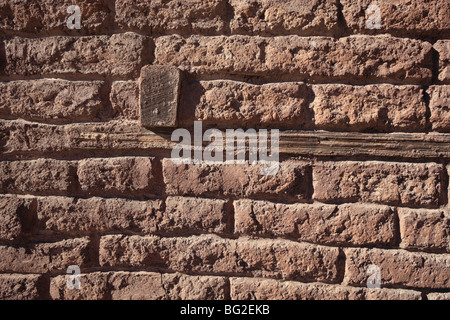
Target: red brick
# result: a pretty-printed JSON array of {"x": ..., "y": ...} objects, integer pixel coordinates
[
  {"x": 19, "y": 287},
  {"x": 440, "y": 108},
  {"x": 398, "y": 268},
  {"x": 443, "y": 48},
  {"x": 125, "y": 100},
  {"x": 381, "y": 182},
  {"x": 442, "y": 296},
  {"x": 15, "y": 217},
  {"x": 324, "y": 224},
  {"x": 278, "y": 259}
]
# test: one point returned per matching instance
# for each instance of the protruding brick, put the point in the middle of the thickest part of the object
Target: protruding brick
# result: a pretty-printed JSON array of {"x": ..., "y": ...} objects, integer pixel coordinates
[
  {"x": 440, "y": 107},
  {"x": 174, "y": 16},
  {"x": 268, "y": 289},
  {"x": 373, "y": 107},
  {"x": 210, "y": 254},
  {"x": 140, "y": 286},
  {"x": 324, "y": 224},
  {"x": 19, "y": 287},
  {"x": 425, "y": 229},
  {"x": 121, "y": 55},
  {"x": 412, "y": 18},
  {"x": 43, "y": 176},
  {"x": 239, "y": 104},
  {"x": 443, "y": 48},
  {"x": 291, "y": 182},
  {"x": 51, "y": 16},
  {"x": 45, "y": 257},
  {"x": 159, "y": 94},
  {"x": 15, "y": 217},
  {"x": 398, "y": 268},
  {"x": 54, "y": 100},
  {"x": 117, "y": 176},
  {"x": 285, "y": 16},
  {"x": 125, "y": 100},
  {"x": 381, "y": 182}
]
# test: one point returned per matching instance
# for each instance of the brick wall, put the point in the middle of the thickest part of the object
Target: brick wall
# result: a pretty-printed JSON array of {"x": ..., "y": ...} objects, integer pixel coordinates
[{"x": 364, "y": 174}]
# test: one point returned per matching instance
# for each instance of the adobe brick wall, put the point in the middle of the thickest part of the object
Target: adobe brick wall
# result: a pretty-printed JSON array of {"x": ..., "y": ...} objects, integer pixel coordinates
[{"x": 364, "y": 174}]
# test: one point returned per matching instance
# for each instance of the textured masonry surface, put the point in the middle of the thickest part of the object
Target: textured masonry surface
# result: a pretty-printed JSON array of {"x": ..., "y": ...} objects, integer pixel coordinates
[{"x": 86, "y": 177}]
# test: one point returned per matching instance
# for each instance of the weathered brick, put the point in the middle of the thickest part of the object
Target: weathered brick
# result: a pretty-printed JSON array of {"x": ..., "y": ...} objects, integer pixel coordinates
[
  {"x": 15, "y": 217},
  {"x": 443, "y": 296},
  {"x": 45, "y": 257},
  {"x": 42, "y": 176},
  {"x": 268, "y": 289},
  {"x": 373, "y": 107},
  {"x": 125, "y": 100},
  {"x": 425, "y": 229},
  {"x": 403, "y": 17},
  {"x": 238, "y": 104},
  {"x": 173, "y": 16},
  {"x": 443, "y": 48},
  {"x": 117, "y": 176},
  {"x": 324, "y": 224},
  {"x": 440, "y": 107},
  {"x": 140, "y": 286},
  {"x": 397, "y": 60},
  {"x": 291, "y": 182},
  {"x": 54, "y": 100},
  {"x": 19, "y": 287},
  {"x": 66, "y": 215},
  {"x": 121, "y": 55},
  {"x": 279, "y": 259},
  {"x": 285, "y": 16},
  {"x": 49, "y": 16},
  {"x": 381, "y": 182},
  {"x": 398, "y": 268}
]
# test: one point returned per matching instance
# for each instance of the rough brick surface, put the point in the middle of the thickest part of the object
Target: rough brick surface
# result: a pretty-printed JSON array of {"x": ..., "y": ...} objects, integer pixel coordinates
[
  {"x": 45, "y": 257},
  {"x": 19, "y": 287},
  {"x": 439, "y": 296},
  {"x": 373, "y": 107},
  {"x": 15, "y": 218},
  {"x": 273, "y": 259},
  {"x": 54, "y": 100},
  {"x": 292, "y": 180},
  {"x": 327, "y": 224},
  {"x": 443, "y": 49},
  {"x": 410, "y": 18},
  {"x": 140, "y": 286},
  {"x": 398, "y": 268},
  {"x": 120, "y": 55},
  {"x": 388, "y": 183},
  {"x": 267, "y": 289},
  {"x": 124, "y": 98},
  {"x": 440, "y": 107}
]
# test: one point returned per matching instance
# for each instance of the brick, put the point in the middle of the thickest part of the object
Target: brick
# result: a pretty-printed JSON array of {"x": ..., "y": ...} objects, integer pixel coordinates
[
  {"x": 183, "y": 215},
  {"x": 374, "y": 107},
  {"x": 379, "y": 182},
  {"x": 19, "y": 287},
  {"x": 443, "y": 49},
  {"x": 45, "y": 257},
  {"x": 323, "y": 224},
  {"x": 117, "y": 176},
  {"x": 42, "y": 176},
  {"x": 15, "y": 217},
  {"x": 425, "y": 229},
  {"x": 278, "y": 17},
  {"x": 442, "y": 296},
  {"x": 397, "y": 60},
  {"x": 278, "y": 259},
  {"x": 49, "y": 16},
  {"x": 291, "y": 182},
  {"x": 440, "y": 108},
  {"x": 159, "y": 94},
  {"x": 407, "y": 18},
  {"x": 121, "y": 55},
  {"x": 268, "y": 289},
  {"x": 398, "y": 268},
  {"x": 54, "y": 101},
  {"x": 140, "y": 286},
  {"x": 238, "y": 104},
  {"x": 174, "y": 16},
  {"x": 124, "y": 98}
]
